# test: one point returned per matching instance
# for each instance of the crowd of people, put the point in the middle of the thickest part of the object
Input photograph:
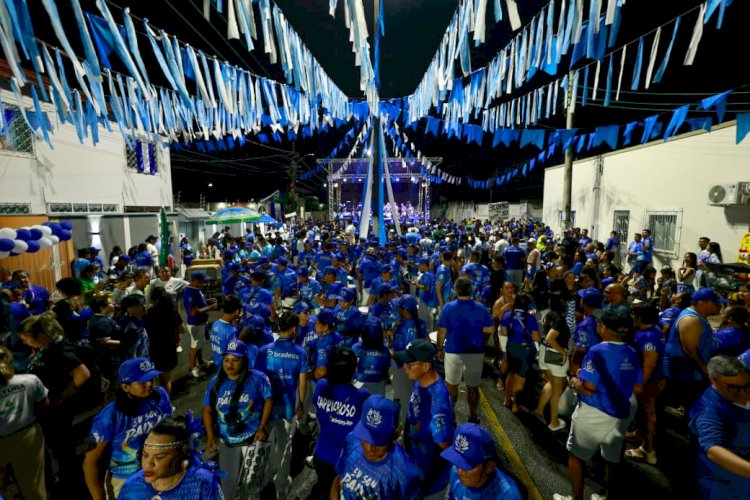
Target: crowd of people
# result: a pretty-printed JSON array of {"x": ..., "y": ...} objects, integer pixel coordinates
[{"x": 364, "y": 345}]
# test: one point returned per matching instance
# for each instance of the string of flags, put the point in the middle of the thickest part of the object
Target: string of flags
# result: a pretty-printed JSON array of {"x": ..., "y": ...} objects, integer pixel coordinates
[
  {"x": 343, "y": 145},
  {"x": 362, "y": 138}
]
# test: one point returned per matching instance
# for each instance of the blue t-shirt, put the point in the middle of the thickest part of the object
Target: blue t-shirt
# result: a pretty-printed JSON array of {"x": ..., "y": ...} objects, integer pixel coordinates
[
  {"x": 652, "y": 340},
  {"x": 20, "y": 312},
  {"x": 193, "y": 298},
  {"x": 126, "y": 434},
  {"x": 464, "y": 320},
  {"x": 429, "y": 420},
  {"x": 585, "y": 335},
  {"x": 499, "y": 485},
  {"x": 144, "y": 259},
  {"x": 648, "y": 250},
  {"x": 306, "y": 335},
  {"x": 428, "y": 297},
  {"x": 324, "y": 348},
  {"x": 443, "y": 275},
  {"x": 323, "y": 260},
  {"x": 370, "y": 270},
  {"x": 255, "y": 390},
  {"x": 612, "y": 244},
  {"x": 392, "y": 477},
  {"x": 338, "y": 408},
  {"x": 36, "y": 297},
  {"x": 731, "y": 341},
  {"x": 519, "y": 325},
  {"x": 515, "y": 258},
  {"x": 718, "y": 422},
  {"x": 405, "y": 332},
  {"x": 283, "y": 361},
  {"x": 222, "y": 333},
  {"x": 667, "y": 317},
  {"x": 308, "y": 291},
  {"x": 372, "y": 364},
  {"x": 478, "y": 273},
  {"x": 614, "y": 368},
  {"x": 257, "y": 300},
  {"x": 676, "y": 364},
  {"x": 342, "y": 315},
  {"x": 233, "y": 284},
  {"x": 197, "y": 484}
]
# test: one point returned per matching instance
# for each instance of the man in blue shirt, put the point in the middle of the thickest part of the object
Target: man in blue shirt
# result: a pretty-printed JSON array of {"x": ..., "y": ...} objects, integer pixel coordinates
[
  {"x": 225, "y": 330},
  {"x": 721, "y": 422},
  {"x": 585, "y": 335},
  {"x": 285, "y": 364},
  {"x": 428, "y": 301},
  {"x": 284, "y": 281},
  {"x": 610, "y": 377},
  {"x": 478, "y": 273},
  {"x": 234, "y": 282},
  {"x": 463, "y": 329},
  {"x": 367, "y": 270},
  {"x": 386, "y": 276},
  {"x": 429, "y": 420},
  {"x": 197, "y": 309},
  {"x": 444, "y": 280},
  {"x": 372, "y": 464},
  {"x": 309, "y": 288},
  {"x": 475, "y": 473},
  {"x": 256, "y": 300},
  {"x": 648, "y": 248},
  {"x": 515, "y": 262}
]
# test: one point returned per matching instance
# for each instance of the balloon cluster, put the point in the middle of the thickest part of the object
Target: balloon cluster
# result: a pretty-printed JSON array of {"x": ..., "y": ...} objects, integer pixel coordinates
[{"x": 32, "y": 239}]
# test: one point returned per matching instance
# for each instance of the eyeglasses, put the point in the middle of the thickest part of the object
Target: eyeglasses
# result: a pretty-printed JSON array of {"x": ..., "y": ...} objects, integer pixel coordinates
[{"x": 736, "y": 387}]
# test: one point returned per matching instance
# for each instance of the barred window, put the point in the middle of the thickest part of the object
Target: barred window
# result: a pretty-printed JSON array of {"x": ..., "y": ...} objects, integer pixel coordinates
[
  {"x": 17, "y": 137},
  {"x": 142, "y": 157},
  {"x": 665, "y": 229},
  {"x": 15, "y": 208}
]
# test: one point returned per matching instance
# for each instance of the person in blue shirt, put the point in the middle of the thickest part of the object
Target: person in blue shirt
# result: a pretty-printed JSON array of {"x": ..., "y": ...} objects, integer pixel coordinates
[
  {"x": 386, "y": 276},
  {"x": 237, "y": 407},
  {"x": 734, "y": 337},
  {"x": 372, "y": 464},
  {"x": 121, "y": 427},
  {"x": 325, "y": 344},
  {"x": 328, "y": 295},
  {"x": 430, "y": 420},
  {"x": 171, "y": 468},
  {"x": 367, "y": 270},
  {"x": 521, "y": 329},
  {"x": 428, "y": 301},
  {"x": 679, "y": 302},
  {"x": 635, "y": 254},
  {"x": 374, "y": 358},
  {"x": 344, "y": 308},
  {"x": 353, "y": 326},
  {"x": 285, "y": 364},
  {"x": 613, "y": 245},
  {"x": 650, "y": 343},
  {"x": 474, "y": 472},
  {"x": 34, "y": 296},
  {"x": 307, "y": 339},
  {"x": 285, "y": 280},
  {"x": 256, "y": 333},
  {"x": 256, "y": 300},
  {"x": 338, "y": 406},
  {"x": 463, "y": 329},
  {"x": 688, "y": 350},
  {"x": 410, "y": 328},
  {"x": 585, "y": 335},
  {"x": 235, "y": 282},
  {"x": 444, "y": 280},
  {"x": 224, "y": 330},
  {"x": 323, "y": 259},
  {"x": 515, "y": 262},
  {"x": 305, "y": 257},
  {"x": 197, "y": 309},
  {"x": 721, "y": 422},
  {"x": 339, "y": 265},
  {"x": 477, "y": 273},
  {"x": 309, "y": 288},
  {"x": 609, "y": 378}
]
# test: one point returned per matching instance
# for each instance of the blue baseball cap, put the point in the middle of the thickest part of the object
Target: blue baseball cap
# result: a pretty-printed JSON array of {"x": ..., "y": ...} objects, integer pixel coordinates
[
  {"x": 137, "y": 370},
  {"x": 256, "y": 322},
  {"x": 591, "y": 297},
  {"x": 408, "y": 302},
  {"x": 301, "y": 307},
  {"x": 282, "y": 261},
  {"x": 472, "y": 446},
  {"x": 326, "y": 316},
  {"x": 236, "y": 348},
  {"x": 707, "y": 294},
  {"x": 386, "y": 269},
  {"x": 263, "y": 260},
  {"x": 424, "y": 261},
  {"x": 303, "y": 272},
  {"x": 384, "y": 289},
  {"x": 198, "y": 275},
  {"x": 355, "y": 323},
  {"x": 125, "y": 258},
  {"x": 329, "y": 270},
  {"x": 372, "y": 328},
  {"x": 379, "y": 421},
  {"x": 233, "y": 266},
  {"x": 346, "y": 294}
]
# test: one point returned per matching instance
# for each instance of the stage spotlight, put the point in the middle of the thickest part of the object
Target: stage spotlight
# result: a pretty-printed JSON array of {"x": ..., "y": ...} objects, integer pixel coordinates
[
  {"x": 369, "y": 153},
  {"x": 413, "y": 179}
]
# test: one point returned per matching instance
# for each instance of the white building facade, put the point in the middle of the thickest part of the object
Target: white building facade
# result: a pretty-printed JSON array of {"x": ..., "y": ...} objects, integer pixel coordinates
[{"x": 660, "y": 186}]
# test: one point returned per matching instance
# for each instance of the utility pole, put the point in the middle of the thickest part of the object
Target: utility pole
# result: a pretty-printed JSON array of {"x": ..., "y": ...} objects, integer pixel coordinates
[{"x": 568, "y": 168}]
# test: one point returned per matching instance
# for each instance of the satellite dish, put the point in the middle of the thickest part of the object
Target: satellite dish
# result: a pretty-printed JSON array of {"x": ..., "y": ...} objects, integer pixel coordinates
[{"x": 717, "y": 194}]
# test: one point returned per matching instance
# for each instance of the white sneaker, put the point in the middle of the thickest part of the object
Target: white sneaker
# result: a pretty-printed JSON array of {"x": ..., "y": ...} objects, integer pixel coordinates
[
  {"x": 196, "y": 372},
  {"x": 597, "y": 496},
  {"x": 309, "y": 462},
  {"x": 558, "y": 496},
  {"x": 179, "y": 348}
]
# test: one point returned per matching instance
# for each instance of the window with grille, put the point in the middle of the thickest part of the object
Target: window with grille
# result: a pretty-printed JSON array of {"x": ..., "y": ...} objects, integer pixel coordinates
[
  {"x": 142, "y": 157},
  {"x": 665, "y": 229},
  {"x": 17, "y": 136},
  {"x": 15, "y": 208}
]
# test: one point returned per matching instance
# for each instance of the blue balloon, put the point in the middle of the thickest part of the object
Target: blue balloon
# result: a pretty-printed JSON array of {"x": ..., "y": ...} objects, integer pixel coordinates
[
  {"x": 36, "y": 234},
  {"x": 34, "y": 246},
  {"x": 46, "y": 223},
  {"x": 56, "y": 228},
  {"x": 66, "y": 225},
  {"x": 14, "y": 254},
  {"x": 6, "y": 245},
  {"x": 65, "y": 235},
  {"x": 23, "y": 234}
]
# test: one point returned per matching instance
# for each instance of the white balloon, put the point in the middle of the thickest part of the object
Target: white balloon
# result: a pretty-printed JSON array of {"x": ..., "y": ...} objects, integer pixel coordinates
[
  {"x": 8, "y": 233},
  {"x": 44, "y": 229},
  {"x": 54, "y": 239},
  {"x": 45, "y": 242},
  {"x": 20, "y": 246},
  {"x": 4, "y": 255}
]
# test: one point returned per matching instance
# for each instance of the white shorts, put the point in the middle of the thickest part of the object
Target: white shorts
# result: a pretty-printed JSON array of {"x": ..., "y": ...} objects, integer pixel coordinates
[
  {"x": 592, "y": 430},
  {"x": 554, "y": 370},
  {"x": 197, "y": 335},
  {"x": 466, "y": 366}
]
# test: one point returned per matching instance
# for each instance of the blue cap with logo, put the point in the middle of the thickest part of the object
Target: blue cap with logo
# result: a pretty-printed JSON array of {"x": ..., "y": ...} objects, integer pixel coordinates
[
  {"x": 326, "y": 316},
  {"x": 379, "y": 421},
  {"x": 137, "y": 370},
  {"x": 236, "y": 348},
  {"x": 707, "y": 294},
  {"x": 472, "y": 446},
  {"x": 303, "y": 272},
  {"x": 346, "y": 294},
  {"x": 408, "y": 302},
  {"x": 301, "y": 307}
]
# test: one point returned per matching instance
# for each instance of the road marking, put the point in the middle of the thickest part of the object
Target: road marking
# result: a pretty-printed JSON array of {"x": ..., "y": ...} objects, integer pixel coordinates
[{"x": 510, "y": 451}]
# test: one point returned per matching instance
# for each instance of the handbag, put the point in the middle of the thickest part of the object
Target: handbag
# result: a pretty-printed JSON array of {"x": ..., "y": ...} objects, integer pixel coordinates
[{"x": 552, "y": 356}]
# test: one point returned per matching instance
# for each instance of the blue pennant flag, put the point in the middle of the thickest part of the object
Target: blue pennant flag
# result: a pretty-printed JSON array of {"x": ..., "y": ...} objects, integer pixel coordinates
[
  {"x": 607, "y": 135},
  {"x": 626, "y": 139},
  {"x": 719, "y": 101},
  {"x": 743, "y": 126},
  {"x": 103, "y": 39},
  {"x": 532, "y": 136},
  {"x": 678, "y": 117},
  {"x": 648, "y": 128},
  {"x": 704, "y": 123},
  {"x": 637, "y": 68}
]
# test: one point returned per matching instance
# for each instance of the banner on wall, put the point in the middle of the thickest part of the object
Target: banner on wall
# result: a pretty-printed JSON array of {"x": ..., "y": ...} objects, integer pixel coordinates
[{"x": 498, "y": 211}]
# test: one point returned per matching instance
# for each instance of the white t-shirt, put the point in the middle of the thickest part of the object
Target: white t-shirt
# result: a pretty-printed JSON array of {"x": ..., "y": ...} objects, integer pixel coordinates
[
  {"x": 17, "y": 402},
  {"x": 152, "y": 249},
  {"x": 501, "y": 245}
]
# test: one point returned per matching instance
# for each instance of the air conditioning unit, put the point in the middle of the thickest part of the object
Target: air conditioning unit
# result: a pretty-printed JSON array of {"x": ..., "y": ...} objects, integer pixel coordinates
[{"x": 730, "y": 193}]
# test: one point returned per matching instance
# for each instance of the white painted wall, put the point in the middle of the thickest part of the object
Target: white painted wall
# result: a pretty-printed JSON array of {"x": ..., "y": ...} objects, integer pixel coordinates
[
  {"x": 660, "y": 176},
  {"x": 75, "y": 172}
]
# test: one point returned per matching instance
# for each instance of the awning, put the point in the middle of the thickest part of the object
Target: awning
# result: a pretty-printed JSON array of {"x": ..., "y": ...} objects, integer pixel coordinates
[{"x": 193, "y": 213}]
